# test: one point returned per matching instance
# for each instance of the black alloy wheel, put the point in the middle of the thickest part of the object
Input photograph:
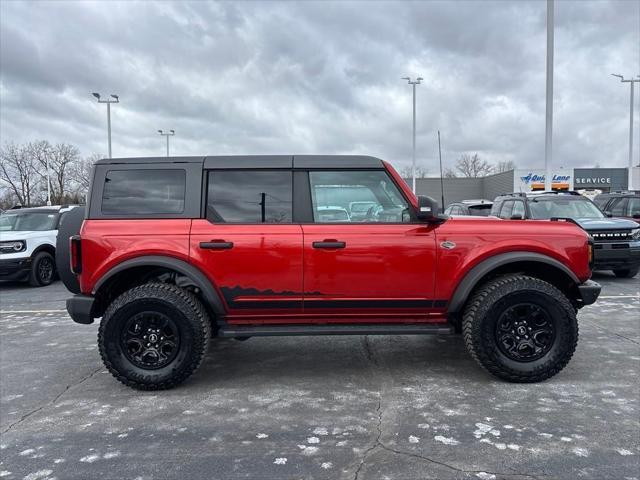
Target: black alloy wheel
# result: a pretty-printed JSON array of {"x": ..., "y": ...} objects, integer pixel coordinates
[
  {"x": 150, "y": 340},
  {"x": 525, "y": 332}
]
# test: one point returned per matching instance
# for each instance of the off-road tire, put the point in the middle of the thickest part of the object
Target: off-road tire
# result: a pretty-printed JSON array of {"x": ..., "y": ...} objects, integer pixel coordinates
[
  {"x": 36, "y": 278},
  {"x": 494, "y": 297},
  {"x": 627, "y": 272},
  {"x": 184, "y": 309}
]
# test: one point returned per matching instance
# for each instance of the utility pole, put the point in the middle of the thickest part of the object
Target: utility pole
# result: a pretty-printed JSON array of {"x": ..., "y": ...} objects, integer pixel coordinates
[
  {"x": 167, "y": 134},
  {"x": 108, "y": 101},
  {"x": 548, "y": 133},
  {"x": 631, "y": 81},
  {"x": 413, "y": 83}
]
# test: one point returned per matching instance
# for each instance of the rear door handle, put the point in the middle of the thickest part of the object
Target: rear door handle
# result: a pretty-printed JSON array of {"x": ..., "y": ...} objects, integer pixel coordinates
[
  {"x": 329, "y": 244},
  {"x": 216, "y": 245}
]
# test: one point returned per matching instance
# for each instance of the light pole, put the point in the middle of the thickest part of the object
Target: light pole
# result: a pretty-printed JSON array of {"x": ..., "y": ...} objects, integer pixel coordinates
[
  {"x": 108, "y": 101},
  {"x": 548, "y": 132},
  {"x": 631, "y": 81},
  {"x": 413, "y": 83},
  {"x": 48, "y": 181},
  {"x": 167, "y": 134}
]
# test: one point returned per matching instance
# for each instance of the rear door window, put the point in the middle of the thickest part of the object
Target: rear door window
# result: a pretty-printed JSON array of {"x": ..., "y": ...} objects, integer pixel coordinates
[
  {"x": 250, "y": 196},
  {"x": 144, "y": 192},
  {"x": 633, "y": 207},
  {"x": 518, "y": 209}
]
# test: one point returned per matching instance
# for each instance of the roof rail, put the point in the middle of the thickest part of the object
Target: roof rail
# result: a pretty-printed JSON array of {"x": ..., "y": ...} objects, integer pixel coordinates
[
  {"x": 555, "y": 192},
  {"x": 513, "y": 194}
]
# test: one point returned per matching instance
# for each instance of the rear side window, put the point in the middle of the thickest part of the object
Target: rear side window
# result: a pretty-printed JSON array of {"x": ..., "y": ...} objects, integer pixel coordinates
[
  {"x": 144, "y": 192},
  {"x": 245, "y": 196},
  {"x": 480, "y": 210}
]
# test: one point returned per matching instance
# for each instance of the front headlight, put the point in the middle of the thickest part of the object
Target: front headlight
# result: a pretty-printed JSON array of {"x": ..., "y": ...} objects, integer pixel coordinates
[
  {"x": 635, "y": 234},
  {"x": 13, "y": 246}
]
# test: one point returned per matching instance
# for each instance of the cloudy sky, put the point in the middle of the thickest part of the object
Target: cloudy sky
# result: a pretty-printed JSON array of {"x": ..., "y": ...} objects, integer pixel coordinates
[{"x": 321, "y": 77}]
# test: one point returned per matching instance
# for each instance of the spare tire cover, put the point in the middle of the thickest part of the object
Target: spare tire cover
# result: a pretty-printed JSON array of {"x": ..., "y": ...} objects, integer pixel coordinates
[{"x": 70, "y": 225}]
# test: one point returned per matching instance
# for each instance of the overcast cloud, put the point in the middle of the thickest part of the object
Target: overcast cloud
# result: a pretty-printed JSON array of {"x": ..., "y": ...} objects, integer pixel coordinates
[{"x": 306, "y": 77}]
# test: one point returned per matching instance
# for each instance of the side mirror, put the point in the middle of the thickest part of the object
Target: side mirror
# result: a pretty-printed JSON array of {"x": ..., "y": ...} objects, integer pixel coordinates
[
  {"x": 517, "y": 216},
  {"x": 428, "y": 210},
  {"x": 635, "y": 215},
  {"x": 607, "y": 213}
]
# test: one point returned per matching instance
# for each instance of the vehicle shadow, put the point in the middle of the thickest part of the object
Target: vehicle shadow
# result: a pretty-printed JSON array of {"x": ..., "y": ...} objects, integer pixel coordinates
[{"x": 311, "y": 360}]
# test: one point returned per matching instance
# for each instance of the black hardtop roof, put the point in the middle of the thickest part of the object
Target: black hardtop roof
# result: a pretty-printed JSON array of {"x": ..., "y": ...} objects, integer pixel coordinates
[{"x": 257, "y": 161}]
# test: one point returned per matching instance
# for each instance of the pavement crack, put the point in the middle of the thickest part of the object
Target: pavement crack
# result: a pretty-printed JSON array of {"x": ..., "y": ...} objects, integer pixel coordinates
[
  {"x": 456, "y": 469},
  {"x": 376, "y": 443},
  {"x": 605, "y": 330},
  {"x": 368, "y": 351},
  {"x": 53, "y": 401}
]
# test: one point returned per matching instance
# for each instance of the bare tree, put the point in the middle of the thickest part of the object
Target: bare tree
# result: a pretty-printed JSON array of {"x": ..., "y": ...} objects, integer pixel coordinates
[
  {"x": 449, "y": 173},
  {"x": 505, "y": 166},
  {"x": 473, "y": 166},
  {"x": 81, "y": 173},
  {"x": 20, "y": 171},
  {"x": 421, "y": 172},
  {"x": 61, "y": 159}
]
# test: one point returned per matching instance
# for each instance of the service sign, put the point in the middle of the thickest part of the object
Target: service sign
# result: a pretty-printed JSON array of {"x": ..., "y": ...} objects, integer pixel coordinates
[{"x": 533, "y": 180}]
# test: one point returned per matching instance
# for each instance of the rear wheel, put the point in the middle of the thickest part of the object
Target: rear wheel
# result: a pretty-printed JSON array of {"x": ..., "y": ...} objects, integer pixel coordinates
[
  {"x": 627, "y": 272},
  {"x": 43, "y": 270},
  {"x": 154, "y": 336},
  {"x": 520, "y": 328}
]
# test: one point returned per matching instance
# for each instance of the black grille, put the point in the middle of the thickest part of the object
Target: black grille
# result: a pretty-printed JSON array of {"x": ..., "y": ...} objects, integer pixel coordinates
[{"x": 611, "y": 235}]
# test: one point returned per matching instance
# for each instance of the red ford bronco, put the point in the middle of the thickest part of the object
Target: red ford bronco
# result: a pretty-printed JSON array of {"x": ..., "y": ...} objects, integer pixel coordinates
[{"x": 172, "y": 252}]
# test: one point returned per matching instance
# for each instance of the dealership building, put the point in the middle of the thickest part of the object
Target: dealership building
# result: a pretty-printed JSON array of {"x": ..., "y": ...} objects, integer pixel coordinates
[{"x": 523, "y": 180}]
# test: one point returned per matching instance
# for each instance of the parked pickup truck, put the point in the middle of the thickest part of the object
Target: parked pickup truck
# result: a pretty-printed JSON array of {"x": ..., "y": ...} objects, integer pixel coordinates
[{"x": 174, "y": 252}]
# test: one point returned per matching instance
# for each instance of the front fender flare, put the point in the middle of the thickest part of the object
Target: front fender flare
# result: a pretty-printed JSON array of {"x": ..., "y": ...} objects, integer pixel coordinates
[{"x": 473, "y": 276}]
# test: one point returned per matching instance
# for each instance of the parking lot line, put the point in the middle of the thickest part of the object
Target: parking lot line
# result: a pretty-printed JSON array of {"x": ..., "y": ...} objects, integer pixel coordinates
[{"x": 32, "y": 311}]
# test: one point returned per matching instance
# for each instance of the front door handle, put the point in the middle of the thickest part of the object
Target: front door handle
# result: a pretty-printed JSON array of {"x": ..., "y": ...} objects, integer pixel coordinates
[
  {"x": 329, "y": 244},
  {"x": 216, "y": 245}
]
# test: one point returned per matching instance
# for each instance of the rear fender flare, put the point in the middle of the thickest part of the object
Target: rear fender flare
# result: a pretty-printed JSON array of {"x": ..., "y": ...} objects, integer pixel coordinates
[{"x": 199, "y": 279}]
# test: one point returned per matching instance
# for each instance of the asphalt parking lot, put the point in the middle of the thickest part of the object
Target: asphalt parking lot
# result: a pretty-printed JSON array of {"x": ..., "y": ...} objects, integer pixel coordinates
[{"x": 394, "y": 407}]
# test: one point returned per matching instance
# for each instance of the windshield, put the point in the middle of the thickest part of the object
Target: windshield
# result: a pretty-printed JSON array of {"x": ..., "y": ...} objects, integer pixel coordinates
[
  {"x": 563, "y": 208},
  {"x": 20, "y": 222}
]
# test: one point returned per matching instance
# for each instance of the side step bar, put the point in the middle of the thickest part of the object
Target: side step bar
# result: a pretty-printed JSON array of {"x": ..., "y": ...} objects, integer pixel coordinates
[{"x": 293, "y": 330}]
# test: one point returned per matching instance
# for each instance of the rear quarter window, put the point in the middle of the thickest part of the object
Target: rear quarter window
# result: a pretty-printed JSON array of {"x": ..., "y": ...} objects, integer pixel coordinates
[{"x": 144, "y": 192}]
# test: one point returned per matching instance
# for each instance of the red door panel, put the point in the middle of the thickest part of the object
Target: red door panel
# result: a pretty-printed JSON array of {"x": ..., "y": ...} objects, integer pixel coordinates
[
  {"x": 381, "y": 269},
  {"x": 257, "y": 269}
]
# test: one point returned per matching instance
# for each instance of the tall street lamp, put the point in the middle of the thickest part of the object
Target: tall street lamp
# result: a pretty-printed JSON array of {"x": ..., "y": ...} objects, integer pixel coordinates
[
  {"x": 413, "y": 83},
  {"x": 548, "y": 131},
  {"x": 631, "y": 81},
  {"x": 167, "y": 134},
  {"x": 108, "y": 101}
]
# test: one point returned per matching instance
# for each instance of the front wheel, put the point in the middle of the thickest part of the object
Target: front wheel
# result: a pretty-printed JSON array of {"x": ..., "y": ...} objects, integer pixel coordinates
[
  {"x": 154, "y": 336},
  {"x": 520, "y": 328},
  {"x": 627, "y": 272},
  {"x": 43, "y": 270}
]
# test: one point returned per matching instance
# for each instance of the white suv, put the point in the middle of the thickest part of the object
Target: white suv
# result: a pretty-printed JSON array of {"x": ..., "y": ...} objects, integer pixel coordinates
[{"x": 28, "y": 244}]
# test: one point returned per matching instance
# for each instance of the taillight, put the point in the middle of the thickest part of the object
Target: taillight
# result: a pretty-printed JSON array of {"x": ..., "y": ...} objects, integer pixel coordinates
[
  {"x": 75, "y": 254},
  {"x": 590, "y": 247}
]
